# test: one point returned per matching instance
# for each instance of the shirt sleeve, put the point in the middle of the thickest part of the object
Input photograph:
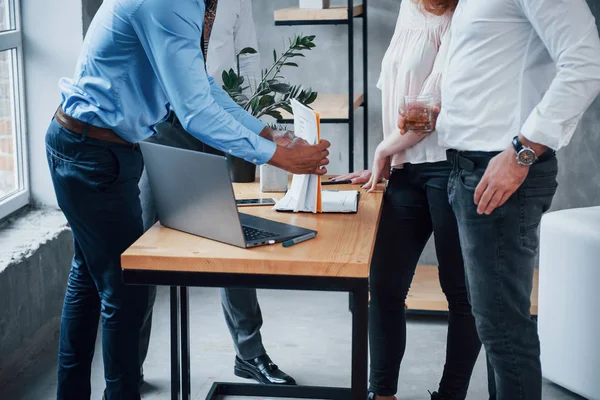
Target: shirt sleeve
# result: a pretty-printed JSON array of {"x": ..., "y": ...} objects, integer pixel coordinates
[
  {"x": 568, "y": 30},
  {"x": 245, "y": 36},
  {"x": 237, "y": 112},
  {"x": 169, "y": 35}
]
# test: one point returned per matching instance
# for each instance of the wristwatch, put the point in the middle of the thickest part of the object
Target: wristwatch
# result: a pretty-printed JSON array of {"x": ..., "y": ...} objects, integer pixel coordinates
[{"x": 525, "y": 155}]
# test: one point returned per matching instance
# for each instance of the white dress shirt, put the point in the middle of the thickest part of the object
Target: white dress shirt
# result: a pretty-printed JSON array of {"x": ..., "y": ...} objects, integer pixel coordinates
[
  {"x": 529, "y": 67},
  {"x": 232, "y": 31},
  {"x": 413, "y": 64}
]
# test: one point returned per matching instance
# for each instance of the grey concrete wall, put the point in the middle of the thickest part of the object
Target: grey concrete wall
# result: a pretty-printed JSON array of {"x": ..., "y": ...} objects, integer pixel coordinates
[
  {"x": 579, "y": 176},
  {"x": 35, "y": 258},
  {"x": 51, "y": 43}
]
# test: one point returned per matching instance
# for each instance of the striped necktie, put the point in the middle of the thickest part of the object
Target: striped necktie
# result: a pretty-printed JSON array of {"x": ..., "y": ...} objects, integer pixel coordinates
[{"x": 209, "y": 19}]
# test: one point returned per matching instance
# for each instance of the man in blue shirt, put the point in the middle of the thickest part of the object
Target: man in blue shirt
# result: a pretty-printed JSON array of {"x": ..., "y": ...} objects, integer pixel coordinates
[
  {"x": 139, "y": 58},
  {"x": 233, "y": 30}
]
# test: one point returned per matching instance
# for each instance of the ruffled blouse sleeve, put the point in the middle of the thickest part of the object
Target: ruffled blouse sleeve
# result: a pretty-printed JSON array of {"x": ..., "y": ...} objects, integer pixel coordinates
[{"x": 433, "y": 83}]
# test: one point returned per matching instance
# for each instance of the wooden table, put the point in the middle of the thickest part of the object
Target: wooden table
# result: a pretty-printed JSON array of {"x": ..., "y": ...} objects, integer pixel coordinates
[{"x": 336, "y": 260}]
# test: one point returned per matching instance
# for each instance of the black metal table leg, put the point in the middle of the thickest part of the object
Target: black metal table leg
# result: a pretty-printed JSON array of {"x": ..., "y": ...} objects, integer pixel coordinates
[
  {"x": 351, "y": 110},
  {"x": 185, "y": 343},
  {"x": 365, "y": 43},
  {"x": 360, "y": 331},
  {"x": 175, "y": 374}
]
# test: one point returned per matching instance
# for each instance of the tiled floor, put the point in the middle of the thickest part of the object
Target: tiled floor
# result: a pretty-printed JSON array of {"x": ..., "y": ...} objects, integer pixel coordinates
[{"x": 307, "y": 334}]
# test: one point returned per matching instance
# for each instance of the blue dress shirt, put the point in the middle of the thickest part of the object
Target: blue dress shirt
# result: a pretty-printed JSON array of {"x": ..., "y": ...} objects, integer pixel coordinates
[{"x": 141, "y": 57}]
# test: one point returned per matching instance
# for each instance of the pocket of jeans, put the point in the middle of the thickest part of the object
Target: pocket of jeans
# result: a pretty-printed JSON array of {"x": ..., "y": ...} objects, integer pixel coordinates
[
  {"x": 469, "y": 180},
  {"x": 534, "y": 201},
  {"x": 57, "y": 156},
  {"x": 107, "y": 170}
]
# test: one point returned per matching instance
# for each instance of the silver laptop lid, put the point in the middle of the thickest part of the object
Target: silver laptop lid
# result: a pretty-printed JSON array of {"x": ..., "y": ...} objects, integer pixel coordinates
[{"x": 193, "y": 192}]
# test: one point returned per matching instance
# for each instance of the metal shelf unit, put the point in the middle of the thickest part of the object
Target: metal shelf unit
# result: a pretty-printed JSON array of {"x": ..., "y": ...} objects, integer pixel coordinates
[{"x": 338, "y": 108}]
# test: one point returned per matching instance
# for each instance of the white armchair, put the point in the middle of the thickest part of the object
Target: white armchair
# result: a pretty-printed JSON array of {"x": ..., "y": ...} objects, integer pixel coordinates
[{"x": 569, "y": 300}]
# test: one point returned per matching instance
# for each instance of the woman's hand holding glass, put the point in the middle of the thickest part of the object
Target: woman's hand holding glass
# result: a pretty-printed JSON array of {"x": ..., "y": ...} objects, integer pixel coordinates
[{"x": 418, "y": 114}]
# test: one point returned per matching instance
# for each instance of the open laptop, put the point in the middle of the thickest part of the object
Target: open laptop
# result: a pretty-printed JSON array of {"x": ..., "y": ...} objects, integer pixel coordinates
[{"x": 193, "y": 194}]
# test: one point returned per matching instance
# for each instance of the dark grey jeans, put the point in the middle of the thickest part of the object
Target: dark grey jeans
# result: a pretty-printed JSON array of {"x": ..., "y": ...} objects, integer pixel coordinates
[
  {"x": 240, "y": 306},
  {"x": 500, "y": 253}
]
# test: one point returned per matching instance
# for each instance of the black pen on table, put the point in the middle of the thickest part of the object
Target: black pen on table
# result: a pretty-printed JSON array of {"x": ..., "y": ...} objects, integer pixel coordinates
[
  {"x": 346, "y": 182},
  {"x": 299, "y": 239}
]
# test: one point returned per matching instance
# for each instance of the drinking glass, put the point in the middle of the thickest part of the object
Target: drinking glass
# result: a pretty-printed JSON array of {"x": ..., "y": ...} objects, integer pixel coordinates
[{"x": 419, "y": 112}]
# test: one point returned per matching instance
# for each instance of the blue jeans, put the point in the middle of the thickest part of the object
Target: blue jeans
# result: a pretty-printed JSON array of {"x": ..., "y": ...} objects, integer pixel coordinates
[
  {"x": 96, "y": 185},
  {"x": 500, "y": 252},
  {"x": 415, "y": 206}
]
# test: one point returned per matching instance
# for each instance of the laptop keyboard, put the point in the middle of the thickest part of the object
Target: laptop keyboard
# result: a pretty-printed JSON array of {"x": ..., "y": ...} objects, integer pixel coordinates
[{"x": 252, "y": 234}]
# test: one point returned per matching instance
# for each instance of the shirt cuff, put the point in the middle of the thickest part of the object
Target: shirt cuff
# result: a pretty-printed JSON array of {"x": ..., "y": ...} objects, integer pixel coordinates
[
  {"x": 265, "y": 150},
  {"x": 253, "y": 124},
  {"x": 543, "y": 131}
]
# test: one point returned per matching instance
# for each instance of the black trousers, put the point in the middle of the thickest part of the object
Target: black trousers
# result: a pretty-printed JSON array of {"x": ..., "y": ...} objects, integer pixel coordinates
[{"x": 415, "y": 205}]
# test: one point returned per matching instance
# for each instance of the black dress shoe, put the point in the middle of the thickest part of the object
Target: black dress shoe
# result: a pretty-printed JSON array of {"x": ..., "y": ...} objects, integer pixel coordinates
[
  {"x": 141, "y": 383},
  {"x": 438, "y": 396},
  {"x": 263, "y": 370}
]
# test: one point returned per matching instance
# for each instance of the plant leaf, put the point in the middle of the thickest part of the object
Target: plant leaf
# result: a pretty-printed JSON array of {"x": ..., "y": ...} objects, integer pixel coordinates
[
  {"x": 275, "y": 114},
  {"x": 280, "y": 87},
  {"x": 311, "y": 98},
  {"x": 286, "y": 106},
  {"x": 290, "y": 64},
  {"x": 254, "y": 104},
  {"x": 225, "y": 78},
  {"x": 266, "y": 101}
]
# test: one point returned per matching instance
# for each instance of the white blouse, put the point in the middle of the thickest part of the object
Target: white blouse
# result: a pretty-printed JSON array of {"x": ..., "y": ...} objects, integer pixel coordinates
[{"x": 413, "y": 64}]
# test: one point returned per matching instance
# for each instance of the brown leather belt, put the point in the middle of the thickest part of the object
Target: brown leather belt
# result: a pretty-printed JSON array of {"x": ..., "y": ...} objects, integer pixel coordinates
[{"x": 77, "y": 126}]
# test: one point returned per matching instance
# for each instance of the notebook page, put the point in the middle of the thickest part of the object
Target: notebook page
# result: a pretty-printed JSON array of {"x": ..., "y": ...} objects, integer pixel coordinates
[
  {"x": 295, "y": 197},
  {"x": 302, "y": 195},
  {"x": 345, "y": 201},
  {"x": 305, "y": 122}
]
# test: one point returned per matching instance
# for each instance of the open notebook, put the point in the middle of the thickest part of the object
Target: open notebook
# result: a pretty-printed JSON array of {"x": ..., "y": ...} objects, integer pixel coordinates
[{"x": 305, "y": 193}]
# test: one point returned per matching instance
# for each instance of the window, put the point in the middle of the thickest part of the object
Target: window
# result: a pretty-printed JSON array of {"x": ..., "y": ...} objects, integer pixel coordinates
[{"x": 14, "y": 192}]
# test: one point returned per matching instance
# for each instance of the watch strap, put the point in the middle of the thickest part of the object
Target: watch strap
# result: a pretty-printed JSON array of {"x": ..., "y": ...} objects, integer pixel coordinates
[{"x": 517, "y": 145}]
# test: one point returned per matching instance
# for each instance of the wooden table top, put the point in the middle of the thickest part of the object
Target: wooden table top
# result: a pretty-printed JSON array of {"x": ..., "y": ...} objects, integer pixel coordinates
[{"x": 343, "y": 246}]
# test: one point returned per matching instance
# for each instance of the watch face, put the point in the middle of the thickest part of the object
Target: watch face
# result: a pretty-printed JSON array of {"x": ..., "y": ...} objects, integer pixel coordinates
[{"x": 526, "y": 157}]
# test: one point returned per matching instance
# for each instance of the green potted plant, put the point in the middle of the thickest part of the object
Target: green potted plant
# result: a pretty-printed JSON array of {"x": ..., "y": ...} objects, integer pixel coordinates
[{"x": 268, "y": 97}]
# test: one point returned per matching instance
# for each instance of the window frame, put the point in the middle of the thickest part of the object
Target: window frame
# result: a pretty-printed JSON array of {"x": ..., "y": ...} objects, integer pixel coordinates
[{"x": 9, "y": 40}]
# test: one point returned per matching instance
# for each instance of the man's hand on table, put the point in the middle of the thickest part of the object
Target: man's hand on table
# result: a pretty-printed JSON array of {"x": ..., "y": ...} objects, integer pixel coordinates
[{"x": 299, "y": 157}]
